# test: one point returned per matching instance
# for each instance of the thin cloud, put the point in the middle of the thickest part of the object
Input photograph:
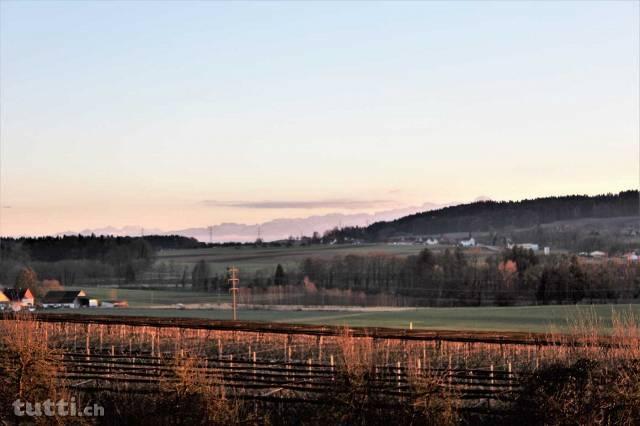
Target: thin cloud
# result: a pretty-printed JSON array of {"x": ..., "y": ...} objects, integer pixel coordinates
[{"x": 289, "y": 204}]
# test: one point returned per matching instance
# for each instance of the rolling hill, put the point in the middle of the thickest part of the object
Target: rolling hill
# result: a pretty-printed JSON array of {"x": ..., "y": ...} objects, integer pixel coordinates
[{"x": 484, "y": 216}]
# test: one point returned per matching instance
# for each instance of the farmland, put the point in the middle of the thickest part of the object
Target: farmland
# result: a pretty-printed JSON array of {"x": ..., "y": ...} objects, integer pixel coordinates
[
  {"x": 521, "y": 318},
  {"x": 145, "y": 298},
  {"x": 250, "y": 259},
  {"x": 258, "y": 373}
]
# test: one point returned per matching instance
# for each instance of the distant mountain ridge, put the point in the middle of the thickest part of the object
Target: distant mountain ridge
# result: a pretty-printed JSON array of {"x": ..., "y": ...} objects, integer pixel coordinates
[{"x": 275, "y": 229}]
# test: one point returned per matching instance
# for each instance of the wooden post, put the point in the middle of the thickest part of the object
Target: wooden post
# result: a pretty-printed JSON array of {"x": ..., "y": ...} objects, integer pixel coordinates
[
  {"x": 87, "y": 349},
  {"x": 285, "y": 349},
  {"x": 254, "y": 366},
  {"x": 491, "y": 375}
]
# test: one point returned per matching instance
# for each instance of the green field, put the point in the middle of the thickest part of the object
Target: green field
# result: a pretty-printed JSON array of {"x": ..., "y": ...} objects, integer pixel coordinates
[
  {"x": 250, "y": 259},
  {"x": 528, "y": 319},
  {"x": 146, "y": 298},
  {"x": 520, "y": 318}
]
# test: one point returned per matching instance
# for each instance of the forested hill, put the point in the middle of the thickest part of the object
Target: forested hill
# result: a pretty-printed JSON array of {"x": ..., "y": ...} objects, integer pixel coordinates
[
  {"x": 494, "y": 215},
  {"x": 101, "y": 247}
]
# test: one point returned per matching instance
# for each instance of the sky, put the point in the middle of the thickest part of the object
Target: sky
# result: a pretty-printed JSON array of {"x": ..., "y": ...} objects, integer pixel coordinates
[{"x": 177, "y": 114}]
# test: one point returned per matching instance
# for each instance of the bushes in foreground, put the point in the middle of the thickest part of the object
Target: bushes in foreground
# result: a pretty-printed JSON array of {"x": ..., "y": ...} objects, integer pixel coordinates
[{"x": 584, "y": 393}]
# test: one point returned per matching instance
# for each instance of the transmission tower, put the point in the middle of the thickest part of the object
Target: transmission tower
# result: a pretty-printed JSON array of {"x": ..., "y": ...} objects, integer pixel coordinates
[
  {"x": 210, "y": 234},
  {"x": 234, "y": 281}
]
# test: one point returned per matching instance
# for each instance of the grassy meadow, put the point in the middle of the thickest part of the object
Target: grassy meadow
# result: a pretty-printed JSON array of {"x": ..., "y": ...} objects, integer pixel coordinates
[
  {"x": 250, "y": 259},
  {"x": 146, "y": 298},
  {"x": 538, "y": 319}
]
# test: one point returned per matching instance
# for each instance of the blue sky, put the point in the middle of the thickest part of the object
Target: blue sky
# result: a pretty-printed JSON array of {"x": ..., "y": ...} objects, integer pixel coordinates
[{"x": 177, "y": 114}]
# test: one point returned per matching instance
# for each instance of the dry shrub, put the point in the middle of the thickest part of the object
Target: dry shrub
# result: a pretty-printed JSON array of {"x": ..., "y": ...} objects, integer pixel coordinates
[
  {"x": 194, "y": 393},
  {"x": 361, "y": 397},
  {"x": 27, "y": 370},
  {"x": 587, "y": 392},
  {"x": 594, "y": 378},
  {"x": 435, "y": 403},
  {"x": 185, "y": 396},
  {"x": 357, "y": 355},
  {"x": 354, "y": 400}
]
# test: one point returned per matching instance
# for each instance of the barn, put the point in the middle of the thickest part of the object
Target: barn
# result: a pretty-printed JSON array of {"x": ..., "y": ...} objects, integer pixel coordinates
[{"x": 64, "y": 299}]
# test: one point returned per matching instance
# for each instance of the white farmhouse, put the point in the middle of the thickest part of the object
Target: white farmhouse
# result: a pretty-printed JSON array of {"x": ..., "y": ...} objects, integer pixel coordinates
[
  {"x": 529, "y": 246},
  {"x": 471, "y": 242},
  {"x": 526, "y": 246}
]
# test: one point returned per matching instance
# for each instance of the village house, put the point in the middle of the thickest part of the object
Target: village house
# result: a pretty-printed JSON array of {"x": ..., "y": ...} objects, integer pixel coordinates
[
  {"x": 471, "y": 242},
  {"x": 19, "y": 298},
  {"x": 65, "y": 299},
  {"x": 526, "y": 246},
  {"x": 4, "y": 301}
]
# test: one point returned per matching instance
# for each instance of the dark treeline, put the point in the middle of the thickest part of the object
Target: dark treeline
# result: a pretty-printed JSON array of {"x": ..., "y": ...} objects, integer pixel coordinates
[
  {"x": 51, "y": 249},
  {"x": 452, "y": 278},
  {"x": 69, "y": 259},
  {"x": 484, "y": 216}
]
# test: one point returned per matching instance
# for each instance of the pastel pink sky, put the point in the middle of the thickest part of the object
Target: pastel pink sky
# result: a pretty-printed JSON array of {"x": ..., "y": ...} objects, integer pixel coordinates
[{"x": 171, "y": 115}]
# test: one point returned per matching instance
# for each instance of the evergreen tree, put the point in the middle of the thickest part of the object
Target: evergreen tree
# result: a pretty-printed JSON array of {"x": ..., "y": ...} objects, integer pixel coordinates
[
  {"x": 200, "y": 276},
  {"x": 279, "y": 277}
]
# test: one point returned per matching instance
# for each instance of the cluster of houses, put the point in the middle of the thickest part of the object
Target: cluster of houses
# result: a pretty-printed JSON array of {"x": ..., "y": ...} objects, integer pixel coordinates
[
  {"x": 465, "y": 243},
  {"x": 529, "y": 246},
  {"x": 18, "y": 299},
  {"x": 630, "y": 257},
  {"x": 597, "y": 254}
]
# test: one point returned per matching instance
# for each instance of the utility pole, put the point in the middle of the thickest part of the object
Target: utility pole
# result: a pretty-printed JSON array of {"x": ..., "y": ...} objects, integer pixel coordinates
[
  {"x": 234, "y": 281},
  {"x": 210, "y": 234}
]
